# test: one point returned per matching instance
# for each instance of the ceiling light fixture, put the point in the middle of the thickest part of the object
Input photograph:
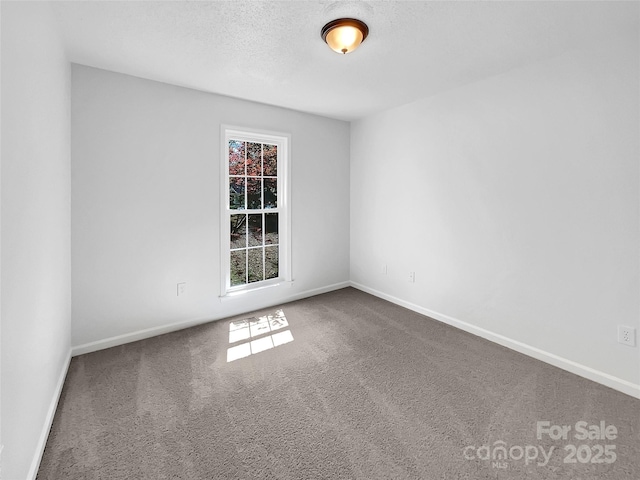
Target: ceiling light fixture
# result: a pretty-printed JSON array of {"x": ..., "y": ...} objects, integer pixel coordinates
[{"x": 344, "y": 35}]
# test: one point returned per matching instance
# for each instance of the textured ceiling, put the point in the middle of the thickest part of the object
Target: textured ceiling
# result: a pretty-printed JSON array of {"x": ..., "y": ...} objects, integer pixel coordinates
[{"x": 271, "y": 51}]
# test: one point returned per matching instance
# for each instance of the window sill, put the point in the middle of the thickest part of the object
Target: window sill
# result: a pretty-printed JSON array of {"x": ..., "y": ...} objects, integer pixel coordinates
[{"x": 241, "y": 293}]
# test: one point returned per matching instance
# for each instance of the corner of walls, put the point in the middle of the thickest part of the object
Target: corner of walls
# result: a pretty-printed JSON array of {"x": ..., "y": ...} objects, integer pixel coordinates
[
  {"x": 35, "y": 237},
  {"x": 517, "y": 205}
]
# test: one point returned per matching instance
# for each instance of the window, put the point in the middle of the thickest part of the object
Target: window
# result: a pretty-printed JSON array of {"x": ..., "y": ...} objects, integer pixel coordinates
[{"x": 255, "y": 217}]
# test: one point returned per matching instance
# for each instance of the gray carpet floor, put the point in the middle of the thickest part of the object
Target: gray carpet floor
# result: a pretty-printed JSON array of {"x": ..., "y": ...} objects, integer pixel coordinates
[{"x": 338, "y": 386}]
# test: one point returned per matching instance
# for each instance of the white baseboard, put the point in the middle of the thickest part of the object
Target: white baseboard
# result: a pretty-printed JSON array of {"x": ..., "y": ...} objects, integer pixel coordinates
[
  {"x": 172, "y": 327},
  {"x": 589, "y": 373},
  {"x": 48, "y": 422}
]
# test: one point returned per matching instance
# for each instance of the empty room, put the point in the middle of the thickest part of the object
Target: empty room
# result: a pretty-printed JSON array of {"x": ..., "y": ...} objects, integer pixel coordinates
[{"x": 320, "y": 240}]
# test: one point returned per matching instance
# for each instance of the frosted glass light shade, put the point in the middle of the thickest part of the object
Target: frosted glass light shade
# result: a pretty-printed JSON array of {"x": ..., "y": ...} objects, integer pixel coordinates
[{"x": 345, "y": 34}]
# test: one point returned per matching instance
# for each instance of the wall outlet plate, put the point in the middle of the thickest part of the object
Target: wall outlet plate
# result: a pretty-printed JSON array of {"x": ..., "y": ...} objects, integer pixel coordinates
[
  {"x": 182, "y": 289},
  {"x": 627, "y": 335}
]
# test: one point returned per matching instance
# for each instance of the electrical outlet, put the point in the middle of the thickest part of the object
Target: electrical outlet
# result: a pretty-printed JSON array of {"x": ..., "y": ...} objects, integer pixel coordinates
[
  {"x": 182, "y": 289},
  {"x": 627, "y": 335},
  {"x": 412, "y": 277},
  {"x": 384, "y": 269}
]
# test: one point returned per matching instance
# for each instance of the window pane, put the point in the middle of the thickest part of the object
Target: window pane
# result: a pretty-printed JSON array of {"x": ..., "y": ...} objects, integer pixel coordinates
[
  {"x": 238, "y": 267},
  {"x": 254, "y": 192},
  {"x": 238, "y": 231},
  {"x": 270, "y": 193},
  {"x": 255, "y": 230},
  {"x": 255, "y": 265},
  {"x": 253, "y": 211},
  {"x": 236, "y": 193},
  {"x": 236, "y": 157},
  {"x": 271, "y": 228},
  {"x": 271, "y": 262},
  {"x": 270, "y": 160},
  {"x": 254, "y": 159}
]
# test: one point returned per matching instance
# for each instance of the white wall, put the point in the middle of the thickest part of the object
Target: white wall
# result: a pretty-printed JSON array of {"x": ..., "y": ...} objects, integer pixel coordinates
[
  {"x": 35, "y": 279},
  {"x": 145, "y": 204},
  {"x": 516, "y": 202}
]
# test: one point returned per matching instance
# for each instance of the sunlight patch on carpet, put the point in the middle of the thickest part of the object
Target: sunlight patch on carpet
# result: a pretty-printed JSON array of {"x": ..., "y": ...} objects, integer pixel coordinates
[{"x": 258, "y": 330}]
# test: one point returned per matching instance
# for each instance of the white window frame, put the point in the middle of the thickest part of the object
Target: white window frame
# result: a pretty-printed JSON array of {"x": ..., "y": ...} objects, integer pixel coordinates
[{"x": 283, "y": 142}]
